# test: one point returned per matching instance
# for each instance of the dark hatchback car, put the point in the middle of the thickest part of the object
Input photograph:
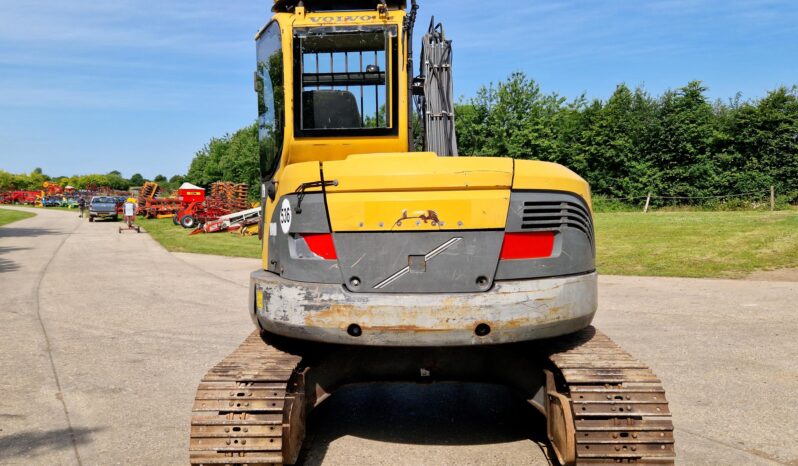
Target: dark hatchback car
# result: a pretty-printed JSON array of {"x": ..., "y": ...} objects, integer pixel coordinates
[{"x": 103, "y": 207}]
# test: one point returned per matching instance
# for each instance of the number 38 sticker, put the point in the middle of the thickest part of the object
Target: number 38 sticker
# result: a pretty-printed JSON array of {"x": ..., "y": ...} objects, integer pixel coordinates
[{"x": 285, "y": 216}]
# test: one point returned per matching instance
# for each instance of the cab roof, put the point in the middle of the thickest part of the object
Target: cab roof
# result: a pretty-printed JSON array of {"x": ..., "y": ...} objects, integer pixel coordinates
[{"x": 333, "y": 5}]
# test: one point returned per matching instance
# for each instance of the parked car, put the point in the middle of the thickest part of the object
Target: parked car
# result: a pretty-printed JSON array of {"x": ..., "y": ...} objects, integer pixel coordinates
[
  {"x": 51, "y": 201},
  {"x": 103, "y": 207}
]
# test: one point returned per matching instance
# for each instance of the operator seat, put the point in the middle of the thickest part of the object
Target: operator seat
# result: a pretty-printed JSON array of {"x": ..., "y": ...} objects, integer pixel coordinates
[{"x": 330, "y": 109}]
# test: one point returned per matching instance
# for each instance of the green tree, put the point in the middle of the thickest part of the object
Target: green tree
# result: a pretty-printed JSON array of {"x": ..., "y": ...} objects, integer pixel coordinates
[
  {"x": 229, "y": 158},
  {"x": 35, "y": 181},
  {"x": 513, "y": 118},
  {"x": 615, "y": 150},
  {"x": 239, "y": 160},
  {"x": 137, "y": 179},
  {"x": 633, "y": 143},
  {"x": 759, "y": 147},
  {"x": 684, "y": 142},
  {"x": 7, "y": 181},
  {"x": 116, "y": 181}
]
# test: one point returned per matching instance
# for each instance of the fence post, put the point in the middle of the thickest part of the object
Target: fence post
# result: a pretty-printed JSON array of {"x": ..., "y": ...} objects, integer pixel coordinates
[
  {"x": 648, "y": 202},
  {"x": 772, "y": 198}
]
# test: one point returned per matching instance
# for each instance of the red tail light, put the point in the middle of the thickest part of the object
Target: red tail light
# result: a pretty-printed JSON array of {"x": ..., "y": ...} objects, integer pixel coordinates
[
  {"x": 322, "y": 245},
  {"x": 532, "y": 245}
]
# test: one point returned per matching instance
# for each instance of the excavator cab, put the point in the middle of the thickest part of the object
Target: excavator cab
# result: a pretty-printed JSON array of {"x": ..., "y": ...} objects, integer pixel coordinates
[
  {"x": 331, "y": 80},
  {"x": 383, "y": 263}
]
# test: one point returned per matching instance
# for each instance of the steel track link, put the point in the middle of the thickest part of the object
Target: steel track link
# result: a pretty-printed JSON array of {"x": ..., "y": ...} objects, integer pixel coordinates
[
  {"x": 603, "y": 406},
  {"x": 241, "y": 414},
  {"x": 618, "y": 406}
]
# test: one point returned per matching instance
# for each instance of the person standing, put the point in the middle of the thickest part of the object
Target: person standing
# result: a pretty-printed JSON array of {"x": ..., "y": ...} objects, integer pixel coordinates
[
  {"x": 82, "y": 206},
  {"x": 130, "y": 212}
]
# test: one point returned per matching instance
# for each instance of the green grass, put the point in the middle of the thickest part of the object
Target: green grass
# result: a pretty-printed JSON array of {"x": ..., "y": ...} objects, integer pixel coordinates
[
  {"x": 696, "y": 244},
  {"x": 176, "y": 239},
  {"x": 10, "y": 216},
  {"x": 672, "y": 244}
]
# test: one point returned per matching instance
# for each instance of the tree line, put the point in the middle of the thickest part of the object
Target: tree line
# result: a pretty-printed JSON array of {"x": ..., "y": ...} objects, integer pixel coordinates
[
  {"x": 233, "y": 157},
  {"x": 34, "y": 181},
  {"x": 678, "y": 144}
]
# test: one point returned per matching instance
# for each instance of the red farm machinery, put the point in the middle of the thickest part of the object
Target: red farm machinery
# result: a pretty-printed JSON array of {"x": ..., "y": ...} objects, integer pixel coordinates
[
  {"x": 20, "y": 197},
  {"x": 150, "y": 205},
  {"x": 198, "y": 209},
  {"x": 226, "y": 207}
]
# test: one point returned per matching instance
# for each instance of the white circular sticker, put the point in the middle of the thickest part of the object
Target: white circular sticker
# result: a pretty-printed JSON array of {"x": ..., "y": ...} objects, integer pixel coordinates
[{"x": 285, "y": 216}]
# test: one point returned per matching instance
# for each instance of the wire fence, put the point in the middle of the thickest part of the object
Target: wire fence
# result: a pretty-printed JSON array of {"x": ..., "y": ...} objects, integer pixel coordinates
[
  {"x": 671, "y": 197},
  {"x": 758, "y": 199}
]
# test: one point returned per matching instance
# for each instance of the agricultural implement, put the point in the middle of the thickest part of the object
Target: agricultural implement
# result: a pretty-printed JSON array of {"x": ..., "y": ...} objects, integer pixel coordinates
[
  {"x": 226, "y": 198},
  {"x": 148, "y": 192},
  {"x": 231, "y": 222},
  {"x": 381, "y": 264},
  {"x": 160, "y": 208},
  {"x": 150, "y": 205},
  {"x": 20, "y": 197}
]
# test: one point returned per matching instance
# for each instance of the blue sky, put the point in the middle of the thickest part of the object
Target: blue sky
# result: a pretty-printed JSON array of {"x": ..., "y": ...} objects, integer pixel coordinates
[{"x": 140, "y": 85}]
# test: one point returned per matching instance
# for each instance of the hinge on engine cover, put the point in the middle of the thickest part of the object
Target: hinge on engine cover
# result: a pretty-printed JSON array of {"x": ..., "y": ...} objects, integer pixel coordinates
[{"x": 301, "y": 190}]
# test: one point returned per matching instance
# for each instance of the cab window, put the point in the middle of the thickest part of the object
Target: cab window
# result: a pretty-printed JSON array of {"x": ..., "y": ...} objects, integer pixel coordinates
[
  {"x": 271, "y": 99},
  {"x": 344, "y": 81}
]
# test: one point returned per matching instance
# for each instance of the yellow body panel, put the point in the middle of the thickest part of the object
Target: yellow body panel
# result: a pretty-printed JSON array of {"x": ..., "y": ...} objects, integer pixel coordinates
[
  {"x": 418, "y": 171},
  {"x": 417, "y": 192},
  {"x": 547, "y": 176},
  {"x": 418, "y": 210},
  {"x": 294, "y": 175},
  {"x": 327, "y": 149}
]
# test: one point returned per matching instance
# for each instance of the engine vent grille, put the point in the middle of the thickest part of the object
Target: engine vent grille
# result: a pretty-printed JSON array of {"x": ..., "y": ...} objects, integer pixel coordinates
[{"x": 555, "y": 215}]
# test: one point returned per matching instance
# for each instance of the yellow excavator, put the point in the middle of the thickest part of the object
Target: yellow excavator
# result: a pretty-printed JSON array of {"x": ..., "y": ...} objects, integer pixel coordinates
[{"x": 388, "y": 258}]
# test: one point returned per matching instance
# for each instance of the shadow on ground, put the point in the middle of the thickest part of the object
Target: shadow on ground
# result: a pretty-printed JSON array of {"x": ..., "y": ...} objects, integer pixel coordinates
[
  {"x": 7, "y": 265},
  {"x": 438, "y": 414},
  {"x": 10, "y": 232},
  {"x": 32, "y": 443}
]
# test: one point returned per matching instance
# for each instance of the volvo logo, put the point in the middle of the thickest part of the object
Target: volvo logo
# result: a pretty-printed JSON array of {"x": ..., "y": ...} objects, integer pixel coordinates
[
  {"x": 414, "y": 265},
  {"x": 343, "y": 19}
]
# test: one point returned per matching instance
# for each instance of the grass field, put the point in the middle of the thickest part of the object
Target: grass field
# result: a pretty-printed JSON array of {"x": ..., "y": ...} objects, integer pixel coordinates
[
  {"x": 673, "y": 244},
  {"x": 177, "y": 239},
  {"x": 696, "y": 244},
  {"x": 9, "y": 216}
]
